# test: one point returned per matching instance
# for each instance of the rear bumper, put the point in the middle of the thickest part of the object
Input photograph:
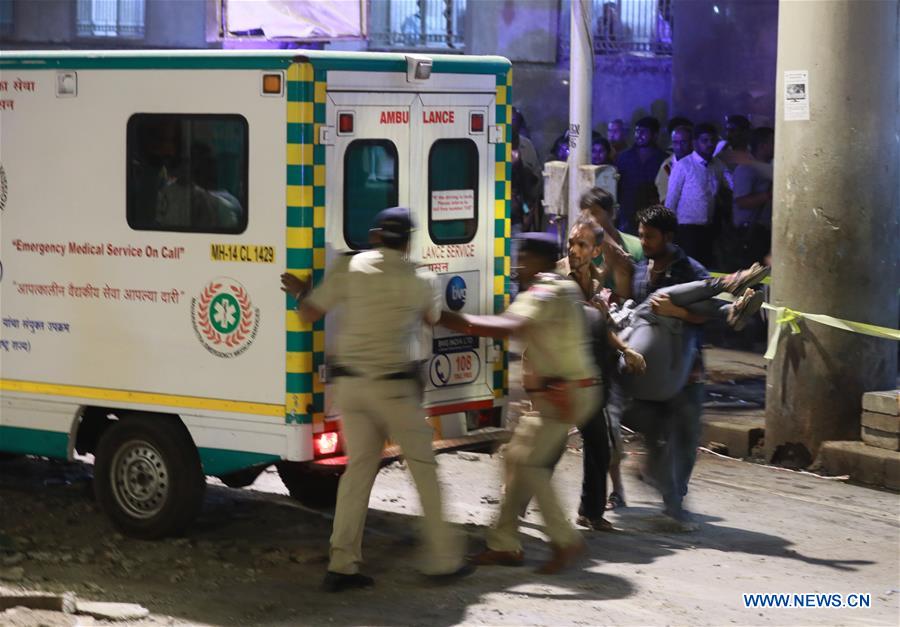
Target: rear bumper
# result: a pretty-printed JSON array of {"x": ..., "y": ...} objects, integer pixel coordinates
[{"x": 476, "y": 439}]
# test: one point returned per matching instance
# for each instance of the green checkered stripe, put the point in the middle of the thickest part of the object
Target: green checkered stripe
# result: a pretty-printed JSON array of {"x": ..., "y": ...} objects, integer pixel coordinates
[
  {"x": 502, "y": 223},
  {"x": 305, "y": 239}
]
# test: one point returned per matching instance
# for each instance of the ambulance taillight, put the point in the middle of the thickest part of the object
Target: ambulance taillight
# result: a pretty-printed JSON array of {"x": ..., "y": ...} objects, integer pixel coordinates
[
  {"x": 325, "y": 443},
  {"x": 476, "y": 123},
  {"x": 345, "y": 123}
]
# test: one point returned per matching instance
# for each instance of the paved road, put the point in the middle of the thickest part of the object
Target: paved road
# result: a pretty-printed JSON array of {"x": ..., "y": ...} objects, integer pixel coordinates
[{"x": 255, "y": 558}]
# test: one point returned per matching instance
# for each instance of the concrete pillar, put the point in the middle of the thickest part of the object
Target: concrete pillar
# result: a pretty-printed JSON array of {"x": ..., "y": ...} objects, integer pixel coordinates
[
  {"x": 581, "y": 75},
  {"x": 836, "y": 230}
]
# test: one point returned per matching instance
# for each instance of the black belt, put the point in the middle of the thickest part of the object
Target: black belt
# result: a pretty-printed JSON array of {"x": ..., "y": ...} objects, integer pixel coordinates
[{"x": 342, "y": 371}]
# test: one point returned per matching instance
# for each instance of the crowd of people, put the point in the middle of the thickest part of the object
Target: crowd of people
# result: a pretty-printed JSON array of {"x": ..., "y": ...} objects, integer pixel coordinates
[
  {"x": 610, "y": 334},
  {"x": 718, "y": 185}
]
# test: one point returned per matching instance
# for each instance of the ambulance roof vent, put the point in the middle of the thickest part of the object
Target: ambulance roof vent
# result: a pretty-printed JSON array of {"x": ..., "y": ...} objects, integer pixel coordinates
[{"x": 418, "y": 68}]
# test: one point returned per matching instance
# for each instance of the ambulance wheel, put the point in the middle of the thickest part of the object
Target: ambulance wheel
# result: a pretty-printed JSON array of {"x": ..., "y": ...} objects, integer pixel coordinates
[
  {"x": 313, "y": 488},
  {"x": 147, "y": 476}
]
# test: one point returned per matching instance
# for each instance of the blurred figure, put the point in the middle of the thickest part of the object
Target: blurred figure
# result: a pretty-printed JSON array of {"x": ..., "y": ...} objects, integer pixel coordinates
[
  {"x": 675, "y": 123},
  {"x": 526, "y": 178},
  {"x": 638, "y": 167},
  {"x": 752, "y": 211},
  {"x": 616, "y": 134},
  {"x": 564, "y": 385},
  {"x": 600, "y": 151},
  {"x": 519, "y": 124},
  {"x": 733, "y": 149}
]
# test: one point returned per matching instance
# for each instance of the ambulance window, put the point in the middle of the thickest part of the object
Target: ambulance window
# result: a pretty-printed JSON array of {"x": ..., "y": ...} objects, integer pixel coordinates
[
  {"x": 187, "y": 173},
  {"x": 371, "y": 171},
  {"x": 453, "y": 191}
]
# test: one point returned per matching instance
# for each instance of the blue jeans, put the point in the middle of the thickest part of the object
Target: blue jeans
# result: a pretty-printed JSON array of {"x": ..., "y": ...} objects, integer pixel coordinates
[{"x": 671, "y": 432}]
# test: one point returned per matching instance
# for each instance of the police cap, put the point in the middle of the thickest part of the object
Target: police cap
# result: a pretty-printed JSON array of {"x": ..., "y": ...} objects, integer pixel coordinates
[
  {"x": 394, "y": 225},
  {"x": 542, "y": 244}
]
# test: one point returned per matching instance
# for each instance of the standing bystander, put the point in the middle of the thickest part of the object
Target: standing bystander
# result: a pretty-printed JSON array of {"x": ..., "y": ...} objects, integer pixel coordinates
[
  {"x": 682, "y": 146},
  {"x": 637, "y": 168},
  {"x": 752, "y": 212},
  {"x": 697, "y": 187},
  {"x": 616, "y": 132}
]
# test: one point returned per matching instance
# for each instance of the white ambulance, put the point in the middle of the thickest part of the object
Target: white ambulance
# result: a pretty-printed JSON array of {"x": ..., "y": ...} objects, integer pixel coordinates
[{"x": 149, "y": 202}]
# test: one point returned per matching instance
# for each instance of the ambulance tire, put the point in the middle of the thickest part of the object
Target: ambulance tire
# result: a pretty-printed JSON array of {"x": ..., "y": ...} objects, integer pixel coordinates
[
  {"x": 162, "y": 484},
  {"x": 312, "y": 487}
]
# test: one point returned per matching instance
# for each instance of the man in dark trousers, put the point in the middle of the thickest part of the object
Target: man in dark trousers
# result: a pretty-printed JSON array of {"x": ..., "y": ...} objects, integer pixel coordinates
[{"x": 586, "y": 239}]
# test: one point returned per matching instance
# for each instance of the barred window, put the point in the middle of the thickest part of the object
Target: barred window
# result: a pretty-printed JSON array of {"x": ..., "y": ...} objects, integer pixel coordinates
[
  {"x": 6, "y": 17},
  {"x": 111, "y": 18},
  {"x": 410, "y": 24}
]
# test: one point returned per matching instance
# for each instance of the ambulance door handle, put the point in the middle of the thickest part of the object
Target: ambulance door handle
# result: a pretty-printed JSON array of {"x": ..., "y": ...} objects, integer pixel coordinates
[{"x": 326, "y": 135}]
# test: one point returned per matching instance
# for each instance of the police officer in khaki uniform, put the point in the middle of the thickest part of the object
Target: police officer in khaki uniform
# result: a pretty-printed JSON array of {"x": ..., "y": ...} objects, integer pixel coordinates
[
  {"x": 383, "y": 301},
  {"x": 564, "y": 385}
]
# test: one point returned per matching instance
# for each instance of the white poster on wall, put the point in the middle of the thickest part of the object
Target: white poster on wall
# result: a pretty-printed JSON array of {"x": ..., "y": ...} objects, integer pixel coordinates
[
  {"x": 796, "y": 95},
  {"x": 297, "y": 19},
  {"x": 453, "y": 204}
]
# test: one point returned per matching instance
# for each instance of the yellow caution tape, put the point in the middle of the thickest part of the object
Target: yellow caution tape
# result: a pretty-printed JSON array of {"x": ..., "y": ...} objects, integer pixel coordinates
[
  {"x": 791, "y": 318},
  {"x": 785, "y": 316}
]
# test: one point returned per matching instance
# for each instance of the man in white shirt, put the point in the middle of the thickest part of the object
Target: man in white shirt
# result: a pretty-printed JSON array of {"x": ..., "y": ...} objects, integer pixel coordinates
[
  {"x": 695, "y": 188},
  {"x": 682, "y": 140}
]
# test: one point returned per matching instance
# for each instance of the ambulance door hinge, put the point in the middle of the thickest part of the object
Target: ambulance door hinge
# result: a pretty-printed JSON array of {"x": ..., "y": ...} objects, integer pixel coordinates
[
  {"x": 493, "y": 353},
  {"x": 495, "y": 134},
  {"x": 326, "y": 135},
  {"x": 323, "y": 373}
]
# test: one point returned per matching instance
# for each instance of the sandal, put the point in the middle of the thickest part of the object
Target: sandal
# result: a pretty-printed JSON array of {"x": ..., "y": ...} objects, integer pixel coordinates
[
  {"x": 737, "y": 282},
  {"x": 744, "y": 308},
  {"x": 615, "y": 501}
]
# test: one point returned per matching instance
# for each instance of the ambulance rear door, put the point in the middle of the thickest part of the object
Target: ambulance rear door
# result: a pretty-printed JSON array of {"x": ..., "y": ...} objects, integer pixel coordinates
[
  {"x": 451, "y": 173},
  {"x": 367, "y": 169}
]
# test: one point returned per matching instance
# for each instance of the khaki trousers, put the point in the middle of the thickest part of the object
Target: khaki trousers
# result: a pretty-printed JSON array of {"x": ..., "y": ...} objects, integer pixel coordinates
[
  {"x": 372, "y": 411},
  {"x": 536, "y": 446}
]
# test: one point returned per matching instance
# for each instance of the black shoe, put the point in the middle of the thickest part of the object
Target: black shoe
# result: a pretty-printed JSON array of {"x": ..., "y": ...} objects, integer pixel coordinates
[
  {"x": 338, "y": 582},
  {"x": 463, "y": 571}
]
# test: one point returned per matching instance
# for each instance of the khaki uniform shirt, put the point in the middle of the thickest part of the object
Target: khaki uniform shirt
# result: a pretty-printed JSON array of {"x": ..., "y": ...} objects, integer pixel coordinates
[
  {"x": 556, "y": 339},
  {"x": 383, "y": 300},
  {"x": 563, "y": 269}
]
